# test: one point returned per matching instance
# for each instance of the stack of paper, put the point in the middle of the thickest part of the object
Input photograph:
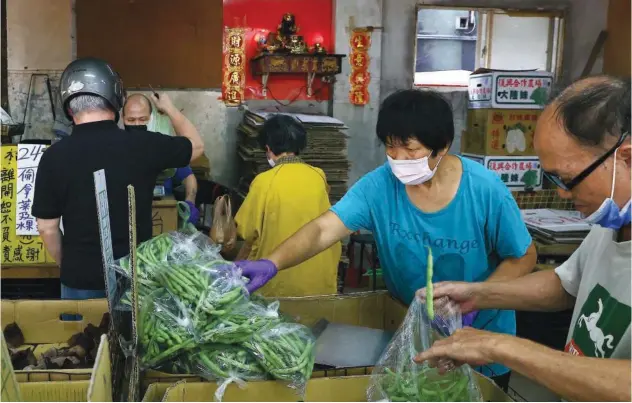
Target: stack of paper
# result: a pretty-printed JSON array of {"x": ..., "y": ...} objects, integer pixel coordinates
[
  {"x": 326, "y": 149},
  {"x": 549, "y": 226}
]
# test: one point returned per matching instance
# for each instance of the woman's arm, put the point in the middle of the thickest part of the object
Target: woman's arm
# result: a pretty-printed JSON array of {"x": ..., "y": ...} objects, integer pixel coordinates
[
  {"x": 512, "y": 268},
  {"x": 313, "y": 238}
]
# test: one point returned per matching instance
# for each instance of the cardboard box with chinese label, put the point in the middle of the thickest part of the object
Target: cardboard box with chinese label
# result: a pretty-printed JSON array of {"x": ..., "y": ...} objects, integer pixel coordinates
[
  {"x": 522, "y": 173},
  {"x": 41, "y": 324},
  {"x": 500, "y": 132},
  {"x": 509, "y": 89}
]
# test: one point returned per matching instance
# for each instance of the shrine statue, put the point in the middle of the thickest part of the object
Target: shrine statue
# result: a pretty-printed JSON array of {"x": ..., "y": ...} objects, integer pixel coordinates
[
  {"x": 287, "y": 26},
  {"x": 285, "y": 38}
]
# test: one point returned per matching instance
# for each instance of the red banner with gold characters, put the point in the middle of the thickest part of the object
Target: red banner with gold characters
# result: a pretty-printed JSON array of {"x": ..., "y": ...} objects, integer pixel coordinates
[
  {"x": 234, "y": 82},
  {"x": 360, "y": 43}
]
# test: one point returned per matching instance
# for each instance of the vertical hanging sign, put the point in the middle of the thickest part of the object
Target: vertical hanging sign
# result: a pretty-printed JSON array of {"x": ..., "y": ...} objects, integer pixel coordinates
[
  {"x": 360, "y": 43},
  {"x": 234, "y": 82},
  {"x": 28, "y": 159}
]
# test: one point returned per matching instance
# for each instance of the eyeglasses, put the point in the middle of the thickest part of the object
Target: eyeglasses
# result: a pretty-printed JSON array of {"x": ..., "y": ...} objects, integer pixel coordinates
[{"x": 584, "y": 174}]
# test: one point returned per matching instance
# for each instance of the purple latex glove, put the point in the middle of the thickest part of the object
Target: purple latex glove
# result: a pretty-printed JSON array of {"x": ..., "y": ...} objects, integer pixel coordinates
[
  {"x": 259, "y": 272},
  {"x": 195, "y": 213},
  {"x": 469, "y": 318}
]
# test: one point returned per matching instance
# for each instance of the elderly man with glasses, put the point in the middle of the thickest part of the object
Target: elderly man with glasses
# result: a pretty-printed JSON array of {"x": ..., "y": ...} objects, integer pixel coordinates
[{"x": 583, "y": 141}]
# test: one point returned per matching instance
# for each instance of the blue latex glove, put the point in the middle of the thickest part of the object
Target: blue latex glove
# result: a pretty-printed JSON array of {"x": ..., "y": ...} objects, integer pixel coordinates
[
  {"x": 469, "y": 318},
  {"x": 195, "y": 213},
  {"x": 259, "y": 272}
]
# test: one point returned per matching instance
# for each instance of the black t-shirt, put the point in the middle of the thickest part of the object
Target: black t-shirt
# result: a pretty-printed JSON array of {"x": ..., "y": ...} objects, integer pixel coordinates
[{"x": 64, "y": 187}]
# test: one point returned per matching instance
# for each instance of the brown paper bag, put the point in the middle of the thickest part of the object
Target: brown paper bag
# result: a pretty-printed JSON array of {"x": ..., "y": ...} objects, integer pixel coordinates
[{"x": 223, "y": 230}]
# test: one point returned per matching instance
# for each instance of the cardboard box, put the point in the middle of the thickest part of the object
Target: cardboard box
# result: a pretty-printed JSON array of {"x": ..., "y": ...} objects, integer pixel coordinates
[
  {"x": 164, "y": 216},
  {"x": 10, "y": 389},
  {"x": 41, "y": 324},
  {"x": 97, "y": 389},
  {"x": 496, "y": 132},
  {"x": 339, "y": 389},
  {"x": 509, "y": 89},
  {"x": 518, "y": 173}
]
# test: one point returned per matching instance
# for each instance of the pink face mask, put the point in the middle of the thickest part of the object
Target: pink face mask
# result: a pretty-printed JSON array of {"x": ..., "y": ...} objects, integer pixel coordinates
[{"x": 412, "y": 172}]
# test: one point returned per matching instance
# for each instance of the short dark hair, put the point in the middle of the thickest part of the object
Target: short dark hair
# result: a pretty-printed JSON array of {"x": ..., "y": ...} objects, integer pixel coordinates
[
  {"x": 283, "y": 134},
  {"x": 590, "y": 111},
  {"x": 420, "y": 114}
]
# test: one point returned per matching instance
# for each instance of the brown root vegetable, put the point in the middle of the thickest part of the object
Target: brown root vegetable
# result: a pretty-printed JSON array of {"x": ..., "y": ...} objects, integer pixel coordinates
[
  {"x": 13, "y": 335},
  {"x": 22, "y": 359}
]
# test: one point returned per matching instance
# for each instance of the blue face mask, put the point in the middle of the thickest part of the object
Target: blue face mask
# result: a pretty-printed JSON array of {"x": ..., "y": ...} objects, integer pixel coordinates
[{"x": 609, "y": 215}]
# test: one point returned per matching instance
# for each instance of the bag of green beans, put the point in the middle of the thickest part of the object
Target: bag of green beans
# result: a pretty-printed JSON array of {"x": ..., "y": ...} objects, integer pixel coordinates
[
  {"x": 222, "y": 363},
  {"x": 240, "y": 322},
  {"x": 397, "y": 378},
  {"x": 164, "y": 328},
  {"x": 285, "y": 351}
]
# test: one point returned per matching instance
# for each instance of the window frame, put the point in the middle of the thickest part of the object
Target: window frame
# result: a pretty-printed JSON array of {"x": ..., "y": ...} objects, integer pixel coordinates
[{"x": 483, "y": 53}]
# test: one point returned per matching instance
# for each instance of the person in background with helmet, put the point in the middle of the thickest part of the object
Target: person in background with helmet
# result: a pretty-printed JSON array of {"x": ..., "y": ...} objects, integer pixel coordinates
[
  {"x": 137, "y": 114},
  {"x": 279, "y": 202},
  {"x": 92, "y": 96}
]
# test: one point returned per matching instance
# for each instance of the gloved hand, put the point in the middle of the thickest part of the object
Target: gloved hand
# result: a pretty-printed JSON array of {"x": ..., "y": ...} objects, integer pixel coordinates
[
  {"x": 469, "y": 318},
  {"x": 194, "y": 213},
  {"x": 259, "y": 272}
]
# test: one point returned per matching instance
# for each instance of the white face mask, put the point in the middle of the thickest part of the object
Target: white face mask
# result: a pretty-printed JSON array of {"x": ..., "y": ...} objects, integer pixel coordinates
[
  {"x": 609, "y": 215},
  {"x": 412, "y": 172},
  {"x": 271, "y": 162}
]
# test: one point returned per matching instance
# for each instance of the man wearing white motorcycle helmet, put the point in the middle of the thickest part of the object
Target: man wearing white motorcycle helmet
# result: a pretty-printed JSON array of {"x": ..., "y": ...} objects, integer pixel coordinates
[
  {"x": 422, "y": 198},
  {"x": 583, "y": 141}
]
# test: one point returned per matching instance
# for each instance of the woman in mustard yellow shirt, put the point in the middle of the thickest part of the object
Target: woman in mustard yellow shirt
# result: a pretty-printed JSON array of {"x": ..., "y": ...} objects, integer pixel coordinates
[{"x": 279, "y": 202}]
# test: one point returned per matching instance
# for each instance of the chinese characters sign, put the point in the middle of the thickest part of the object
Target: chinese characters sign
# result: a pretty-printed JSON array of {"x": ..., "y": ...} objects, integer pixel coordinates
[
  {"x": 360, "y": 43},
  {"x": 18, "y": 249},
  {"x": 518, "y": 173},
  {"x": 510, "y": 90},
  {"x": 28, "y": 158},
  {"x": 234, "y": 66}
]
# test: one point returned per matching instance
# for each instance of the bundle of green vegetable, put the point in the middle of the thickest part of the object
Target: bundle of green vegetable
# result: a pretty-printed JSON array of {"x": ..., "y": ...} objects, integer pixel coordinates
[
  {"x": 163, "y": 328},
  {"x": 196, "y": 315},
  {"x": 397, "y": 378},
  {"x": 426, "y": 386},
  {"x": 239, "y": 323},
  {"x": 285, "y": 350},
  {"x": 220, "y": 362}
]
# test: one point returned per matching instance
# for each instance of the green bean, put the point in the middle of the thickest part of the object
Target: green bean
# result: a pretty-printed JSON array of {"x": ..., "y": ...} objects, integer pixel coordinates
[{"x": 429, "y": 293}]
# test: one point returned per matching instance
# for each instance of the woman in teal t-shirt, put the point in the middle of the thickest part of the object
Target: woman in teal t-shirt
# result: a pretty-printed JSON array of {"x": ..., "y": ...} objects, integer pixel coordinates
[{"x": 423, "y": 197}]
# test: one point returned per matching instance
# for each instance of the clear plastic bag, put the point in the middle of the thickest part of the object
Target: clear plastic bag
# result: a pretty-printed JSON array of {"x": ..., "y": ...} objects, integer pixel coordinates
[
  {"x": 169, "y": 252},
  {"x": 164, "y": 328},
  {"x": 208, "y": 288},
  {"x": 239, "y": 323},
  {"x": 223, "y": 363},
  {"x": 397, "y": 378},
  {"x": 286, "y": 351}
]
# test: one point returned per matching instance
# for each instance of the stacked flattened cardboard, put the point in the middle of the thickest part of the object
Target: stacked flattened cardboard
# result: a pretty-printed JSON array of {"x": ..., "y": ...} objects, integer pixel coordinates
[
  {"x": 549, "y": 226},
  {"x": 326, "y": 149},
  {"x": 502, "y": 112}
]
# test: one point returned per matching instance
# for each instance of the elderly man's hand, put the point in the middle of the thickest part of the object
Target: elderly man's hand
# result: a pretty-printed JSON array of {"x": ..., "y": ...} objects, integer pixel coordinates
[
  {"x": 465, "y": 346},
  {"x": 464, "y": 294},
  {"x": 163, "y": 103}
]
